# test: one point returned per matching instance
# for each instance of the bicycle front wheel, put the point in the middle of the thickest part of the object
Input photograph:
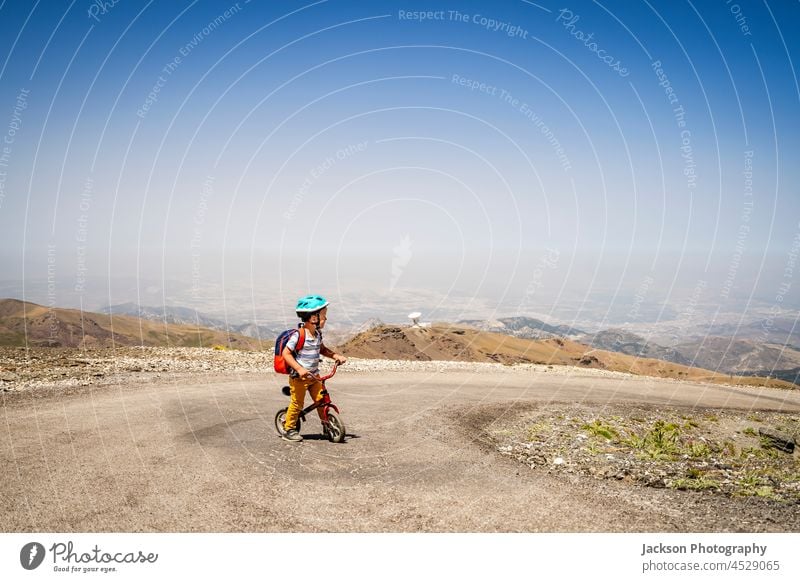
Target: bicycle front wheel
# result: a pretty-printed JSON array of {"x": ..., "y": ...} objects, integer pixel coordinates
[{"x": 335, "y": 429}]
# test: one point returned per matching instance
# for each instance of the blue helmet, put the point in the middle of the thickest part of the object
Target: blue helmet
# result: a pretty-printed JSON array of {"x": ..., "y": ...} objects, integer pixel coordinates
[{"x": 310, "y": 304}]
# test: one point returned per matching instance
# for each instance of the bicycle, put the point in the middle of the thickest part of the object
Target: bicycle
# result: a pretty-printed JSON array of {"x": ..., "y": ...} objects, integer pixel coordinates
[{"x": 332, "y": 425}]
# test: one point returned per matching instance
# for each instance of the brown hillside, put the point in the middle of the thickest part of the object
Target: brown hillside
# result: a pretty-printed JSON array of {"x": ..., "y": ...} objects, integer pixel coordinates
[
  {"x": 450, "y": 342},
  {"x": 43, "y": 326},
  {"x": 740, "y": 354}
]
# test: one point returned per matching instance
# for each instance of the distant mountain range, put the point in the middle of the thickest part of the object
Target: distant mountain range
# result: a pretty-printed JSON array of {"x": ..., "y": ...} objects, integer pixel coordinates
[
  {"x": 744, "y": 356},
  {"x": 467, "y": 343},
  {"x": 132, "y": 324},
  {"x": 189, "y": 316},
  {"x": 23, "y": 323},
  {"x": 619, "y": 340},
  {"x": 722, "y": 354},
  {"x": 522, "y": 327},
  {"x": 771, "y": 330}
]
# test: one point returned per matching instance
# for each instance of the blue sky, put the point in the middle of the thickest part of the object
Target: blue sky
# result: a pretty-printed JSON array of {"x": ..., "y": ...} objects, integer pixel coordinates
[{"x": 298, "y": 144}]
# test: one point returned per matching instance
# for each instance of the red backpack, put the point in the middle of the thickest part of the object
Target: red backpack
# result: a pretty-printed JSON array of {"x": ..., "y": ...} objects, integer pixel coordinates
[{"x": 280, "y": 364}]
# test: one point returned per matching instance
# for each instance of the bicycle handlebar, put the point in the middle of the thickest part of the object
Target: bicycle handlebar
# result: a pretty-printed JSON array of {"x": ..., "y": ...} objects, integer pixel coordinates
[{"x": 323, "y": 378}]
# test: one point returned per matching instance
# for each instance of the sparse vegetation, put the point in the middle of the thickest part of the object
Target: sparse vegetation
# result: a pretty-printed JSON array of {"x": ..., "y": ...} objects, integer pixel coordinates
[
  {"x": 729, "y": 448},
  {"x": 660, "y": 442},
  {"x": 535, "y": 429},
  {"x": 692, "y": 483},
  {"x": 601, "y": 429},
  {"x": 667, "y": 449},
  {"x": 766, "y": 445},
  {"x": 699, "y": 450}
]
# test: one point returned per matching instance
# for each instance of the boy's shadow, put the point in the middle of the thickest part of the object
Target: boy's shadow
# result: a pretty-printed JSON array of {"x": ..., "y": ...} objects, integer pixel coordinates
[{"x": 322, "y": 437}]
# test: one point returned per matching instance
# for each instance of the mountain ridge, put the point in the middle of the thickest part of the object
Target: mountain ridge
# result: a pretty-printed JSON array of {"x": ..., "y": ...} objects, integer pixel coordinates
[
  {"x": 443, "y": 341},
  {"x": 24, "y": 323},
  {"x": 189, "y": 316}
]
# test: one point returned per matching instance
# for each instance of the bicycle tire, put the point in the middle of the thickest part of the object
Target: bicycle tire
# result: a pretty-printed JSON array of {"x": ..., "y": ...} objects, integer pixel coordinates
[
  {"x": 280, "y": 421},
  {"x": 335, "y": 429}
]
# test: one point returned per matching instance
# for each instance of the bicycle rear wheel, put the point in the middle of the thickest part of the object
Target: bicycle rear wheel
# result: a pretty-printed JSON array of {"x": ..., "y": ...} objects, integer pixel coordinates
[
  {"x": 335, "y": 428},
  {"x": 280, "y": 421}
]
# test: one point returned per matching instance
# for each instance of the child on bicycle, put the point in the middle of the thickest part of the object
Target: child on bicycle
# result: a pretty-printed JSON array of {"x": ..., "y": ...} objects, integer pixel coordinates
[{"x": 313, "y": 313}]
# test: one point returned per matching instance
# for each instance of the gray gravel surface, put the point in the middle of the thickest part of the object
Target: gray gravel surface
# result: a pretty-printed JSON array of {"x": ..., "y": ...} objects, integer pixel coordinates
[
  {"x": 62, "y": 369},
  {"x": 192, "y": 451}
]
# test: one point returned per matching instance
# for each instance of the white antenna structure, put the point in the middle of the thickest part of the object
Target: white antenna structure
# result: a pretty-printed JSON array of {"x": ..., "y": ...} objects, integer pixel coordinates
[{"x": 414, "y": 317}]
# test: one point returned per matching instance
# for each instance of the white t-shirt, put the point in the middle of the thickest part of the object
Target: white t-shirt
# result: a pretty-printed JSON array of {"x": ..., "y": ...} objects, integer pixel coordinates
[{"x": 308, "y": 357}]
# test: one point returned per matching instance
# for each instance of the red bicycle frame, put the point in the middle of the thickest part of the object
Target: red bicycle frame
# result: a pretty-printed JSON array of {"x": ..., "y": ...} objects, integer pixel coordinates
[{"x": 325, "y": 401}]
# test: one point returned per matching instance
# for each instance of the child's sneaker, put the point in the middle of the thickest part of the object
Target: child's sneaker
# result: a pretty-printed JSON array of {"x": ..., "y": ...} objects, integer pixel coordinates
[{"x": 292, "y": 435}]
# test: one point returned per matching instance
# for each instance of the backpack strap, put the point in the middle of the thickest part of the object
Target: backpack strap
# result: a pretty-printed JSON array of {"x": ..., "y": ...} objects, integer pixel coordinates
[{"x": 301, "y": 340}]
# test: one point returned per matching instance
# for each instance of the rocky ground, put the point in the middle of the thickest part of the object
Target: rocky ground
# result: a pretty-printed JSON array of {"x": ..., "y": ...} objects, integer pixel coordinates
[
  {"x": 717, "y": 451},
  {"x": 22, "y": 370}
]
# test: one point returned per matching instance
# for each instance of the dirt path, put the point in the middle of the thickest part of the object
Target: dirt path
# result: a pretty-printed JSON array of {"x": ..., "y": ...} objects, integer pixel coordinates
[{"x": 202, "y": 455}]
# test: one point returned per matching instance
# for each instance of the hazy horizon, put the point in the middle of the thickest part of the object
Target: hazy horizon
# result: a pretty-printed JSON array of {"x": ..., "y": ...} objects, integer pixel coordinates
[
  {"x": 596, "y": 292},
  {"x": 601, "y": 165}
]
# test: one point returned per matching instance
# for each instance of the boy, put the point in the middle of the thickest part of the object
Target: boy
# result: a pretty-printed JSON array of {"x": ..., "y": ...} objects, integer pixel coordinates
[{"x": 313, "y": 312}]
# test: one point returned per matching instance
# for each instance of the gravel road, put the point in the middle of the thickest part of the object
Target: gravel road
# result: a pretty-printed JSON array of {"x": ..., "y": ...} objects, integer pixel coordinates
[{"x": 199, "y": 452}]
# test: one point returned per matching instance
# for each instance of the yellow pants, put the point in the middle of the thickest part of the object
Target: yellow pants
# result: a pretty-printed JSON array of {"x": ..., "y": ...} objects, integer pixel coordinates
[{"x": 298, "y": 387}]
